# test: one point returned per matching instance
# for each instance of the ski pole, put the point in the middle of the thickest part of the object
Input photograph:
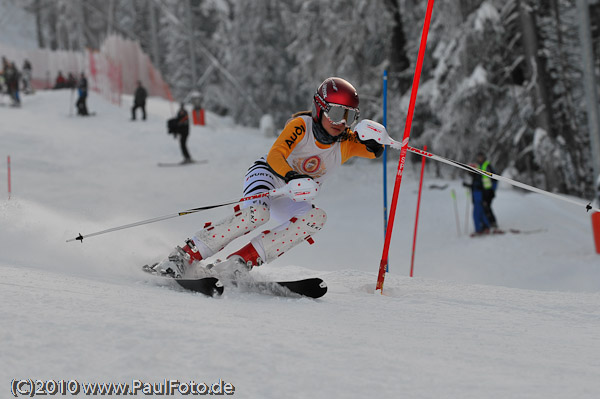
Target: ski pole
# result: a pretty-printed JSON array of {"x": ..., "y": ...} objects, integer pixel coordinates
[
  {"x": 453, "y": 194},
  {"x": 387, "y": 140},
  {"x": 272, "y": 193},
  {"x": 467, "y": 206},
  {"x": 71, "y": 102},
  {"x": 8, "y": 164}
]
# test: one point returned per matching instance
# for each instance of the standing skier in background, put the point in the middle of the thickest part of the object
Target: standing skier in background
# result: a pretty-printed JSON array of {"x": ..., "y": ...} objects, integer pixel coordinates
[
  {"x": 82, "y": 89},
  {"x": 489, "y": 189},
  {"x": 482, "y": 192},
  {"x": 26, "y": 77},
  {"x": 180, "y": 127},
  {"x": 311, "y": 146},
  {"x": 139, "y": 101}
]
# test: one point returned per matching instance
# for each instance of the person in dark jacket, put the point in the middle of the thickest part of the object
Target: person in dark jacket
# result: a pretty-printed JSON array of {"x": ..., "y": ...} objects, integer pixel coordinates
[
  {"x": 11, "y": 79},
  {"x": 139, "y": 101},
  {"x": 26, "y": 73},
  {"x": 483, "y": 191},
  {"x": 180, "y": 126},
  {"x": 82, "y": 89},
  {"x": 488, "y": 189}
]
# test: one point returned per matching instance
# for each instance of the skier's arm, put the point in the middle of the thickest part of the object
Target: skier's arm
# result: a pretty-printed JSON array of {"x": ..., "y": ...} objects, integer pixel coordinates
[
  {"x": 183, "y": 118},
  {"x": 354, "y": 147},
  {"x": 291, "y": 135}
]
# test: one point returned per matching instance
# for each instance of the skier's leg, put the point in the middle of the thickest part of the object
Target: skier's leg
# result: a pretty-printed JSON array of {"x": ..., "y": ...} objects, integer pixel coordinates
[
  {"x": 480, "y": 220},
  {"x": 212, "y": 238},
  {"x": 271, "y": 244},
  {"x": 183, "y": 144}
]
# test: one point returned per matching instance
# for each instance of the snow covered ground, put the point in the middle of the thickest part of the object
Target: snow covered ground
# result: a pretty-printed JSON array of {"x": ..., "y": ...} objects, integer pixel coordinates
[{"x": 514, "y": 315}]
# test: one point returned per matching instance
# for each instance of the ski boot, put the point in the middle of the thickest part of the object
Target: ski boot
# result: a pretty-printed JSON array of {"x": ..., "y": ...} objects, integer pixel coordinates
[
  {"x": 178, "y": 262},
  {"x": 237, "y": 266}
]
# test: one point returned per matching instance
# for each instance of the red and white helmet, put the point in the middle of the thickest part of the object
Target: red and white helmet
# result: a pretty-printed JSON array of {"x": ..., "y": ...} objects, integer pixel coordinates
[{"x": 338, "y": 100}]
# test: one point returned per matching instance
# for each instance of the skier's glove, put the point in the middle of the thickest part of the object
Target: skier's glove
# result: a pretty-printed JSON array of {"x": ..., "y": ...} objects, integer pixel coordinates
[
  {"x": 373, "y": 146},
  {"x": 372, "y": 134},
  {"x": 292, "y": 174},
  {"x": 301, "y": 187}
]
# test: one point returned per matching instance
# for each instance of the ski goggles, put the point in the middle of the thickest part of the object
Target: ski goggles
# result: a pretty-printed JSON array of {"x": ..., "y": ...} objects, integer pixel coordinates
[{"x": 340, "y": 113}]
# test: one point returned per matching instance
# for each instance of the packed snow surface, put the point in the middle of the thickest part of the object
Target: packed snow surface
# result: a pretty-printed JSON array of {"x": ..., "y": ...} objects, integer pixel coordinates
[{"x": 501, "y": 316}]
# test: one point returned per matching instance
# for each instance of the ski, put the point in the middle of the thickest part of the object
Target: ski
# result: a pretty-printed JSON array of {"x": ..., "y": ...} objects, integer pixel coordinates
[
  {"x": 517, "y": 231},
  {"x": 511, "y": 231},
  {"x": 310, "y": 287},
  {"x": 168, "y": 164},
  {"x": 82, "y": 116},
  {"x": 209, "y": 286}
]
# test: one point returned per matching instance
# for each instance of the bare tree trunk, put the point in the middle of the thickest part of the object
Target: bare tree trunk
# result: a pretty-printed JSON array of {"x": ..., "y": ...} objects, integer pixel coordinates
[
  {"x": 399, "y": 61},
  {"x": 38, "y": 24},
  {"x": 153, "y": 33},
  {"x": 52, "y": 23},
  {"x": 110, "y": 16},
  {"x": 537, "y": 76},
  {"x": 192, "y": 43},
  {"x": 536, "y": 71}
]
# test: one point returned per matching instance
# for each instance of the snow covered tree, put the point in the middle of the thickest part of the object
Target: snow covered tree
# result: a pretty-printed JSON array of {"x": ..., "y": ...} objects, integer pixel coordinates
[{"x": 499, "y": 76}]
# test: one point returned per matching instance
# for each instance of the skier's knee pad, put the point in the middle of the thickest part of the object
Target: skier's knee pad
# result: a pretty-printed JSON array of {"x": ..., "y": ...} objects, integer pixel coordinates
[
  {"x": 214, "y": 237},
  {"x": 272, "y": 244}
]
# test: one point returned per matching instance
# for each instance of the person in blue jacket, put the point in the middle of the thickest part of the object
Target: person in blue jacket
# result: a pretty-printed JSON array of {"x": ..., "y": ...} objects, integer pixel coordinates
[
  {"x": 483, "y": 191},
  {"x": 489, "y": 189},
  {"x": 82, "y": 88}
]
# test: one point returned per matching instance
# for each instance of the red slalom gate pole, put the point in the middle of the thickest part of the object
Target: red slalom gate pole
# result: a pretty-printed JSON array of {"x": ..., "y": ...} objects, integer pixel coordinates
[
  {"x": 403, "y": 151},
  {"x": 8, "y": 162},
  {"x": 412, "y": 259}
]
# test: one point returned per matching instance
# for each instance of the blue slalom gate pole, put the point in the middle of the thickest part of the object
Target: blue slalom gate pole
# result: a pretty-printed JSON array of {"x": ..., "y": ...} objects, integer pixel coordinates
[{"x": 384, "y": 158}]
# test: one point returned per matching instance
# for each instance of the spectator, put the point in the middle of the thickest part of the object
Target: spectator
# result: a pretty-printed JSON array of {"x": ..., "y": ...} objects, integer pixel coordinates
[
  {"x": 482, "y": 191},
  {"x": 61, "y": 82},
  {"x": 3, "y": 88},
  {"x": 139, "y": 101},
  {"x": 489, "y": 189},
  {"x": 71, "y": 81},
  {"x": 26, "y": 77},
  {"x": 11, "y": 79}
]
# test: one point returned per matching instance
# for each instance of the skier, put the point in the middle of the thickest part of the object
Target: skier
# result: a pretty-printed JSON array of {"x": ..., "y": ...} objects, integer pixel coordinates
[
  {"x": 82, "y": 88},
  {"x": 180, "y": 126},
  {"x": 11, "y": 78},
  {"x": 311, "y": 146},
  {"x": 26, "y": 77},
  {"x": 139, "y": 101},
  {"x": 489, "y": 189},
  {"x": 482, "y": 191}
]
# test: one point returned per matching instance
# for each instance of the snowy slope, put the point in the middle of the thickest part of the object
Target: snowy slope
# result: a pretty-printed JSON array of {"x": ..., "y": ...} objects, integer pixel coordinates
[{"x": 495, "y": 317}]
